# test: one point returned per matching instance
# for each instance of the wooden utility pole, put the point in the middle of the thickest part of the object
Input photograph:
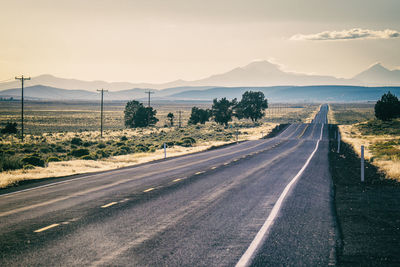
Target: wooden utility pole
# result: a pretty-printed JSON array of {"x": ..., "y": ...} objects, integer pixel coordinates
[
  {"x": 101, "y": 111},
  {"x": 149, "y": 93},
  {"x": 22, "y": 79},
  {"x": 180, "y": 119}
]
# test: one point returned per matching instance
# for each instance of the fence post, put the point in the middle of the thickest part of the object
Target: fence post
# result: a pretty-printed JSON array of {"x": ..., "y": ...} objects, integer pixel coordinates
[
  {"x": 362, "y": 164},
  {"x": 338, "y": 145},
  {"x": 165, "y": 151}
]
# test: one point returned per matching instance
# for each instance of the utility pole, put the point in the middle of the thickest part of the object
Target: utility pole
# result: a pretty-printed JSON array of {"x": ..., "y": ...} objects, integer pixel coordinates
[
  {"x": 180, "y": 117},
  {"x": 149, "y": 92},
  {"x": 101, "y": 111},
  {"x": 22, "y": 79}
]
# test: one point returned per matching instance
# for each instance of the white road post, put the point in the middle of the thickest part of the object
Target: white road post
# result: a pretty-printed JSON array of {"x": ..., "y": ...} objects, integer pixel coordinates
[
  {"x": 165, "y": 151},
  {"x": 338, "y": 144},
  {"x": 362, "y": 164}
]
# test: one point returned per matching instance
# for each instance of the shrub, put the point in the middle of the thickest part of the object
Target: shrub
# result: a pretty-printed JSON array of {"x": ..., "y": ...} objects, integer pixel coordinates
[
  {"x": 33, "y": 160},
  {"x": 124, "y": 138},
  {"x": 52, "y": 159},
  {"x": 101, "y": 145},
  {"x": 10, "y": 163},
  {"x": 79, "y": 152},
  {"x": 60, "y": 149},
  {"x": 102, "y": 153},
  {"x": 28, "y": 167},
  {"x": 87, "y": 157},
  {"x": 141, "y": 148},
  {"x": 187, "y": 141},
  {"x": 76, "y": 141},
  {"x": 87, "y": 144}
]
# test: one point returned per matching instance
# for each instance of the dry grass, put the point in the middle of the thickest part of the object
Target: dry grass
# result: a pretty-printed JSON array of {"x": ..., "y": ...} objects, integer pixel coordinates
[
  {"x": 352, "y": 135},
  {"x": 65, "y": 168}
]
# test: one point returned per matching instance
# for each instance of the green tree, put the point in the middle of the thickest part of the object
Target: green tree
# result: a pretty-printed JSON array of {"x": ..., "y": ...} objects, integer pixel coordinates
[
  {"x": 171, "y": 116},
  {"x": 10, "y": 128},
  {"x": 388, "y": 107},
  {"x": 222, "y": 110},
  {"x": 251, "y": 106},
  {"x": 199, "y": 115},
  {"x": 136, "y": 115}
]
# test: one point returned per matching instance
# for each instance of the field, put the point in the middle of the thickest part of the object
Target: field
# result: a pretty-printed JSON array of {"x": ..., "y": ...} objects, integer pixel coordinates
[
  {"x": 358, "y": 126},
  {"x": 63, "y": 138}
]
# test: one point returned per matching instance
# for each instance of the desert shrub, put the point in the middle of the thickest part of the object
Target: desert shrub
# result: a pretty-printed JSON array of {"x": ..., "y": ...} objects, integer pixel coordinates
[
  {"x": 141, "y": 148},
  {"x": 88, "y": 157},
  {"x": 76, "y": 141},
  {"x": 87, "y": 144},
  {"x": 10, "y": 163},
  {"x": 60, "y": 149},
  {"x": 101, "y": 153},
  {"x": 187, "y": 141},
  {"x": 9, "y": 152},
  {"x": 45, "y": 150},
  {"x": 28, "y": 167},
  {"x": 120, "y": 144},
  {"x": 101, "y": 145},
  {"x": 53, "y": 159},
  {"x": 124, "y": 138},
  {"x": 126, "y": 148},
  {"x": 79, "y": 152},
  {"x": 33, "y": 160}
]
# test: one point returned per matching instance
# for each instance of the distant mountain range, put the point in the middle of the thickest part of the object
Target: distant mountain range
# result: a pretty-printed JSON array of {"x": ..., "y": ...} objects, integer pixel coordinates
[
  {"x": 258, "y": 73},
  {"x": 264, "y": 76}
]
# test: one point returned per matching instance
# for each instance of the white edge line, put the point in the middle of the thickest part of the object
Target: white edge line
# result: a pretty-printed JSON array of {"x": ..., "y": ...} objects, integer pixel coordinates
[{"x": 246, "y": 258}]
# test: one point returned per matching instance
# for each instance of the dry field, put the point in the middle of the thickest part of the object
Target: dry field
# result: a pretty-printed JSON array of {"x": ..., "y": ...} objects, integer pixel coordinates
[
  {"x": 380, "y": 139},
  {"x": 64, "y": 138}
]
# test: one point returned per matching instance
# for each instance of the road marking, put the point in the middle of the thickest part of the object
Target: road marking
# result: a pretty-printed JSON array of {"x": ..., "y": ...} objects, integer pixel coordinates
[
  {"x": 213, "y": 168},
  {"x": 197, "y": 173},
  {"x": 235, "y": 159},
  {"x": 246, "y": 258},
  {"x": 302, "y": 133},
  {"x": 47, "y": 227},
  {"x": 109, "y": 204},
  {"x": 177, "y": 180},
  {"x": 226, "y": 163},
  {"x": 148, "y": 189}
]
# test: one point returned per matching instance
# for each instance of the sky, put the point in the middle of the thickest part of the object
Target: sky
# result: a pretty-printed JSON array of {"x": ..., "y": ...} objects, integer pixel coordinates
[{"x": 164, "y": 40}]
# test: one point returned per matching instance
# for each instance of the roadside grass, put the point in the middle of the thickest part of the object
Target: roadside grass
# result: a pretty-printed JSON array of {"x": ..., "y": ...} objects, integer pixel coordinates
[
  {"x": 368, "y": 213},
  {"x": 380, "y": 139}
]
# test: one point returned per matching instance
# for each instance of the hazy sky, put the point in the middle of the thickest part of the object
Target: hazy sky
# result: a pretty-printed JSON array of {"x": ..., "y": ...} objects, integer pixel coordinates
[{"x": 164, "y": 40}]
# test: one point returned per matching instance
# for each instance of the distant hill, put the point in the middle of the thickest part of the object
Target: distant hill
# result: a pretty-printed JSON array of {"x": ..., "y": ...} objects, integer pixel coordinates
[
  {"x": 326, "y": 93},
  {"x": 258, "y": 73}
]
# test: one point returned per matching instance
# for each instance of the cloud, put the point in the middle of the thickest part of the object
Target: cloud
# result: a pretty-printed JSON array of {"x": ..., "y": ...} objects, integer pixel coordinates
[{"x": 351, "y": 34}]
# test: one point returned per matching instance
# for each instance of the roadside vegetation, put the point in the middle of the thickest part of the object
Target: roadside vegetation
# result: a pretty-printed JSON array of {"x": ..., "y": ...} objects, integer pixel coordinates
[
  {"x": 359, "y": 125},
  {"x": 50, "y": 150}
]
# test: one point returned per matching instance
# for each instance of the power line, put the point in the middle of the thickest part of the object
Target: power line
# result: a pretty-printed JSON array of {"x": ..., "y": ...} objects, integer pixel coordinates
[
  {"x": 149, "y": 92},
  {"x": 22, "y": 79}
]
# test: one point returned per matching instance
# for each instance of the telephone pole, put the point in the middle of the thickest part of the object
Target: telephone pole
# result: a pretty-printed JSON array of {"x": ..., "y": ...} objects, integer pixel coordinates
[
  {"x": 22, "y": 79},
  {"x": 149, "y": 93},
  {"x": 180, "y": 119},
  {"x": 101, "y": 111}
]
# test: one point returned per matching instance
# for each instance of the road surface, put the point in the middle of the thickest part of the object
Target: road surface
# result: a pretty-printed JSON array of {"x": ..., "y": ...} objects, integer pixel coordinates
[{"x": 263, "y": 202}]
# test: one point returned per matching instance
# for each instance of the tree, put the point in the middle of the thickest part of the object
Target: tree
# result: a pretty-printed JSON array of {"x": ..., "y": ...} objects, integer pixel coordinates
[
  {"x": 388, "y": 107},
  {"x": 251, "y": 106},
  {"x": 136, "y": 115},
  {"x": 170, "y": 116},
  {"x": 10, "y": 128},
  {"x": 199, "y": 115},
  {"x": 222, "y": 110}
]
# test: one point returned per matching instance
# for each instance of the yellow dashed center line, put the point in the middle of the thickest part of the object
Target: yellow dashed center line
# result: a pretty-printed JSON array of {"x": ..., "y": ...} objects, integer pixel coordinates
[
  {"x": 235, "y": 159},
  {"x": 47, "y": 227},
  {"x": 213, "y": 168},
  {"x": 148, "y": 190},
  {"x": 226, "y": 163},
  {"x": 197, "y": 173},
  {"x": 109, "y": 204},
  {"x": 177, "y": 180}
]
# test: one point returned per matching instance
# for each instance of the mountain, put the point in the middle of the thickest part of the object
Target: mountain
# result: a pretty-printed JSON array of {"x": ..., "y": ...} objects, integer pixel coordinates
[
  {"x": 258, "y": 73},
  {"x": 379, "y": 75}
]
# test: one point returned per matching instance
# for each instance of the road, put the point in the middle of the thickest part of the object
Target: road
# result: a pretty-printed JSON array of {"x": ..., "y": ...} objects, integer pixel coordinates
[{"x": 262, "y": 202}]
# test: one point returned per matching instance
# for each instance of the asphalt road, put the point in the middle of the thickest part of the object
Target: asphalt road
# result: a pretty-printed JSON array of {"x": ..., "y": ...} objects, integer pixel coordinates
[{"x": 263, "y": 202}]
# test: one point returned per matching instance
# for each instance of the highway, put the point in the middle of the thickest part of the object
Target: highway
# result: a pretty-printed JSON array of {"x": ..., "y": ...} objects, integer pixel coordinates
[{"x": 262, "y": 202}]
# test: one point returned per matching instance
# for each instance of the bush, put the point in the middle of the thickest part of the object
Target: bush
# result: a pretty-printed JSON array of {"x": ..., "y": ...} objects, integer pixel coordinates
[
  {"x": 52, "y": 159},
  {"x": 388, "y": 107},
  {"x": 79, "y": 152},
  {"x": 141, "y": 148},
  {"x": 10, "y": 128},
  {"x": 124, "y": 138},
  {"x": 101, "y": 145},
  {"x": 10, "y": 163},
  {"x": 87, "y": 144},
  {"x": 33, "y": 160},
  {"x": 102, "y": 153},
  {"x": 88, "y": 157},
  {"x": 28, "y": 167},
  {"x": 187, "y": 141},
  {"x": 76, "y": 141}
]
